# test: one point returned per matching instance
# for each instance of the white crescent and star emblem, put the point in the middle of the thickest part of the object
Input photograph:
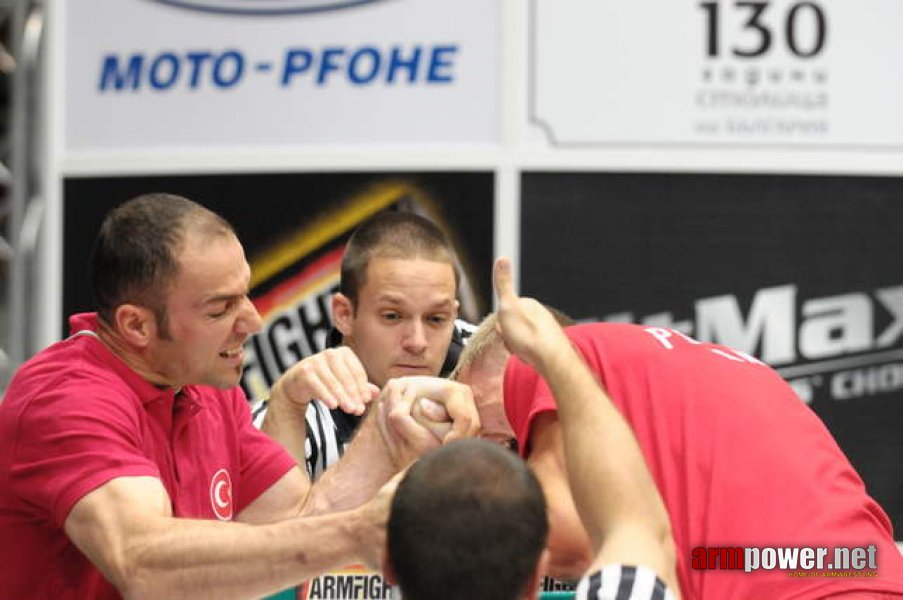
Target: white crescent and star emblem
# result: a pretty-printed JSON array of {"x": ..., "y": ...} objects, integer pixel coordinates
[{"x": 221, "y": 495}]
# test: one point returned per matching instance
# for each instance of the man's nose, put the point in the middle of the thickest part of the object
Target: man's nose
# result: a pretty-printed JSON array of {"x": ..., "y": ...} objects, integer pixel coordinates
[
  {"x": 248, "y": 321},
  {"x": 415, "y": 338}
]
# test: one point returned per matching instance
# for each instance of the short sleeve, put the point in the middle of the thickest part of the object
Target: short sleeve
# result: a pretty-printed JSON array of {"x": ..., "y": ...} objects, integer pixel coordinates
[
  {"x": 70, "y": 445},
  {"x": 527, "y": 395}
]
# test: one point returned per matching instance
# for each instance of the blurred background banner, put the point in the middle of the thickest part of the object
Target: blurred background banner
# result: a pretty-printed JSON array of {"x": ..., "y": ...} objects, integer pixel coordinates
[
  {"x": 731, "y": 169},
  {"x": 805, "y": 273},
  {"x": 755, "y": 73},
  {"x": 147, "y": 73},
  {"x": 294, "y": 229}
]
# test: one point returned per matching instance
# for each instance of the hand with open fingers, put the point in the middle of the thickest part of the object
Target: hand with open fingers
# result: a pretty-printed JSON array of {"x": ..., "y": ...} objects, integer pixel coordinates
[
  {"x": 334, "y": 376},
  {"x": 528, "y": 329},
  {"x": 407, "y": 439}
]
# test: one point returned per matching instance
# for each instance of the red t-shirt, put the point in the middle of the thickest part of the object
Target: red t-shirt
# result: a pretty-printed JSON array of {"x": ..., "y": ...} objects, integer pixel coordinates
[
  {"x": 739, "y": 460},
  {"x": 75, "y": 417}
]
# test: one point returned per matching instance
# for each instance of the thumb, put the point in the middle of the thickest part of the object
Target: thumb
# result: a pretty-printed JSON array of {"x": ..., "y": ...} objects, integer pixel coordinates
[{"x": 503, "y": 280}]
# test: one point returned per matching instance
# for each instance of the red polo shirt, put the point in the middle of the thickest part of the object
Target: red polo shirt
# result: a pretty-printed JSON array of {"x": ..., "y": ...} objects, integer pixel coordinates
[
  {"x": 739, "y": 460},
  {"x": 75, "y": 417}
]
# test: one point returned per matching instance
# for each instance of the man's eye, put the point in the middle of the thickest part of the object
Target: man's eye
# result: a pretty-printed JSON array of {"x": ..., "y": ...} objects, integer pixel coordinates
[
  {"x": 228, "y": 306},
  {"x": 438, "y": 319},
  {"x": 391, "y": 316}
]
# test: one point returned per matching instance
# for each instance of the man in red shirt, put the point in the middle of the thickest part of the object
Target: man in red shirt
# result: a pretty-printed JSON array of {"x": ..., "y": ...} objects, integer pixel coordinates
[
  {"x": 128, "y": 461},
  {"x": 469, "y": 519},
  {"x": 739, "y": 461}
]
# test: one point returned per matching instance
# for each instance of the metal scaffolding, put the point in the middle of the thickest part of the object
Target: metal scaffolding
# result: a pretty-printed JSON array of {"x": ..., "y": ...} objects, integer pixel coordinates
[{"x": 21, "y": 200}]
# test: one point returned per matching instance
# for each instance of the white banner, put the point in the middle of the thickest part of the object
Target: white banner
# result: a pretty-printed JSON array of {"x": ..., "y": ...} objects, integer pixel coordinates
[
  {"x": 188, "y": 73},
  {"x": 781, "y": 72}
]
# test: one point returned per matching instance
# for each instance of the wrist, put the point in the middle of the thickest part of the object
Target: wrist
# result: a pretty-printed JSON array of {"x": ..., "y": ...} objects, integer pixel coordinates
[
  {"x": 282, "y": 402},
  {"x": 284, "y": 419},
  {"x": 366, "y": 529},
  {"x": 383, "y": 458},
  {"x": 555, "y": 355}
]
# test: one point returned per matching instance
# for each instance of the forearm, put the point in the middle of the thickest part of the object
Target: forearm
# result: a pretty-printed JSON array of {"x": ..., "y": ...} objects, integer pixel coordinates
[
  {"x": 601, "y": 451},
  {"x": 286, "y": 422},
  {"x": 363, "y": 469},
  {"x": 180, "y": 558}
]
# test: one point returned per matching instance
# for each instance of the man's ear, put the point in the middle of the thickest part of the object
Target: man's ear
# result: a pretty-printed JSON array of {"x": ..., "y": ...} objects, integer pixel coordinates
[
  {"x": 136, "y": 324},
  {"x": 343, "y": 314},
  {"x": 388, "y": 570},
  {"x": 542, "y": 566}
]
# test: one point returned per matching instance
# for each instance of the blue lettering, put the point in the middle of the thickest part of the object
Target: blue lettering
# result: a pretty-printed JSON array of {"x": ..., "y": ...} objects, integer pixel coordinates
[
  {"x": 397, "y": 62},
  {"x": 197, "y": 60},
  {"x": 169, "y": 69},
  {"x": 372, "y": 54},
  {"x": 110, "y": 74},
  {"x": 237, "y": 62},
  {"x": 296, "y": 61},
  {"x": 438, "y": 63},
  {"x": 160, "y": 64},
  {"x": 353, "y": 66},
  {"x": 327, "y": 64},
  {"x": 366, "y": 65}
]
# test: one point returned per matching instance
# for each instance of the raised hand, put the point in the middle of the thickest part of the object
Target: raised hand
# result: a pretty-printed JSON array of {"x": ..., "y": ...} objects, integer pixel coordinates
[{"x": 528, "y": 329}]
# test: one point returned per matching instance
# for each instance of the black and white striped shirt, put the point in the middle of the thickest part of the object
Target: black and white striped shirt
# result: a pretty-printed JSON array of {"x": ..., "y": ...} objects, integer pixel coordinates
[
  {"x": 623, "y": 582},
  {"x": 328, "y": 432}
]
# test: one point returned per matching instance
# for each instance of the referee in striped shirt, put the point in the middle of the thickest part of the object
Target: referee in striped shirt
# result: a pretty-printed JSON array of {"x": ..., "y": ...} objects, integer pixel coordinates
[{"x": 395, "y": 315}]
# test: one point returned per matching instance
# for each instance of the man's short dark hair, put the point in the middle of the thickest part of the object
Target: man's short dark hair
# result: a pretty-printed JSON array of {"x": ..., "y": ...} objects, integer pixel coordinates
[
  {"x": 135, "y": 254},
  {"x": 468, "y": 521},
  {"x": 392, "y": 234}
]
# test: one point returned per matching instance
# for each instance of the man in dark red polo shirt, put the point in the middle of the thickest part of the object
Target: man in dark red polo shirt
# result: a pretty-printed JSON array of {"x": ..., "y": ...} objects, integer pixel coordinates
[{"x": 128, "y": 461}]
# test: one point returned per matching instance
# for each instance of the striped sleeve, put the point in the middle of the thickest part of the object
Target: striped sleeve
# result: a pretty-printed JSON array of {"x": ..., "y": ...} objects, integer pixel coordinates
[
  {"x": 322, "y": 448},
  {"x": 258, "y": 412},
  {"x": 623, "y": 582}
]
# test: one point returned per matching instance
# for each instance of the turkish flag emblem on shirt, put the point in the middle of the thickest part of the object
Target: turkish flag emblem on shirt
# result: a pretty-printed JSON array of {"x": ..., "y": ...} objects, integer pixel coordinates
[{"x": 221, "y": 495}]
